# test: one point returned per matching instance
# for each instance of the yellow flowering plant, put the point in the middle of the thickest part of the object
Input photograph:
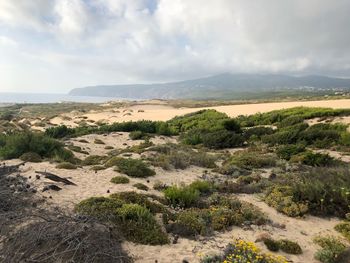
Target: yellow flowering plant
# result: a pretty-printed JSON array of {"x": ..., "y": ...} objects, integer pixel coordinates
[{"x": 242, "y": 251}]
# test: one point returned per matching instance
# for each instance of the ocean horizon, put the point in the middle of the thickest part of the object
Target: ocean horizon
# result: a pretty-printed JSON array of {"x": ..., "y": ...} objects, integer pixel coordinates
[{"x": 14, "y": 97}]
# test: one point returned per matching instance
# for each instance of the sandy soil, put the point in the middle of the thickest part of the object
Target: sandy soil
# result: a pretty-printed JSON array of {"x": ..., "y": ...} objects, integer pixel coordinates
[
  {"x": 88, "y": 184},
  {"x": 161, "y": 112}
]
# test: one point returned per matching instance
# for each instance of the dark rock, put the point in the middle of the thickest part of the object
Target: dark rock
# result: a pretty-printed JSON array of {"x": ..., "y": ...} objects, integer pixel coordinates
[
  {"x": 52, "y": 187},
  {"x": 108, "y": 191},
  {"x": 37, "y": 176}
]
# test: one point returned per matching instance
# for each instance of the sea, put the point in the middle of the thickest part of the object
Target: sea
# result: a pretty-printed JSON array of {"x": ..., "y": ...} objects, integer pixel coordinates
[{"x": 11, "y": 98}]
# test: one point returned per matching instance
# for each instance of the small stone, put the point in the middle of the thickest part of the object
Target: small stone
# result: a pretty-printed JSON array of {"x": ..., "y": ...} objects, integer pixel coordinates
[
  {"x": 108, "y": 191},
  {"x": 37, "y": 177}
]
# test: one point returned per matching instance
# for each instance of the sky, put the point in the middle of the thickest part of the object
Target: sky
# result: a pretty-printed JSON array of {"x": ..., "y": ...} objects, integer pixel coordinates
[{"x": 53, "y": 46}]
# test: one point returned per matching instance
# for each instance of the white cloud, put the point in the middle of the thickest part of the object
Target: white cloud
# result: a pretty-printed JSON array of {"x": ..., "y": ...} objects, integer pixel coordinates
[{"x": 118, "y": 41}]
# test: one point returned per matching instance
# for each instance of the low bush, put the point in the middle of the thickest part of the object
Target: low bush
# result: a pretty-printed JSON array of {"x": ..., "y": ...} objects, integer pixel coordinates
[
  {"x": 180, "y": 157},
  {"x": 344, "y": 229},
  {"x": 331, "y": 248},
  {"x": 137, "y": 135},
  {"x": 319, "y": 191},
  {"x": 31, "y": 157},
  {"x": 66, "y": 165},
  {"x": 141, "y": 186},
  {"x": 138, "y": 225},
  {"x": 120, "y": 180},
  {"x": 251, "y": 159},
  {"x": 15, "y": 145},
  {"x": 183, "y": 196},
  {"x": 290, "y": 247},
  {"x": 59, "y": 132},
  {"x": 97, "y": 168},
  {"x": 287, "y": 246},
  {"x": 288, "y": 151},
  {"x": 222, "y": 139},
  {"x": 102, "y": 208},
  {"x": 272, "y": 244},
  {"x": 141, "y": 199},
  {"x": 204, "y": 187},
  {"x": 257, "y": 132},
  {"x": 135, "y": 222},
  {"x": 313, "y": 159},
  {"x": 209, "y": 120},
  {"x": 134, "y": 167},
  {"x": 281, "y": 198},
  {"x": 93, "y": 160}
]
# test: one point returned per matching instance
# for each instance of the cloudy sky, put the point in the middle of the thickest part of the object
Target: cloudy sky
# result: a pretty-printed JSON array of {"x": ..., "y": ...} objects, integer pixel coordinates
[{"x": 57, "y": 45}]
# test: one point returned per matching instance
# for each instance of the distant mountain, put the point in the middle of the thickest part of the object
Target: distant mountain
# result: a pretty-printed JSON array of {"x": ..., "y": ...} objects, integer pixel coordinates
[{"x": 223, "y": 86}]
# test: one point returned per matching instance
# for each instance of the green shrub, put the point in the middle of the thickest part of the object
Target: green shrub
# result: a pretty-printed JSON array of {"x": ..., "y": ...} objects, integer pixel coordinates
[
  {"x": 331, "y": 247},
  {"x": 344, "y": 229},
  {"x": 345, "y": 139},
  {"x": 141, "y": 186},
  {"x": 15, "y": 145},
  {"x": 93, "y": 160},
  {"x": 135, "y": 221},
  {"x": 100, "y": 207},
  {"x": 181, "y": 157},
  {"x": 191, "y": 223},
  {"x": 136, "y": 135},
  {"x": 232, "y": 125},
  {"x": 140, "y": 199},
  {"x": 290, "y": 247},
  {"x": 120, "y": 180},
  {"x": 287, "y": 246},
  {"x": 139, "y": 225},
  {"x": 222, "y": 139},
  {"x": 59, "y": 132},
  {"x": 319, "y": 191},
  {"x": 66, "y": 165},
  {"x": 31, "y": 157},
  {"x": 251, "y": 159},
  {"x": 274, "y": 117},
  {"x": 272, "y": 244},
  {"x": 181, "y": 196},
  {"x": 134, "y": 167},
  {"x": 313, "y": 159},
  {"x": 281, "y": 198},
  {"x": 209, "y": 120},
  {"x": 287, "y": 151},
  {"x": 202, "y": 186},
  {"x": 290, "y": 121},
  {"x": 257, "y": 132}
]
